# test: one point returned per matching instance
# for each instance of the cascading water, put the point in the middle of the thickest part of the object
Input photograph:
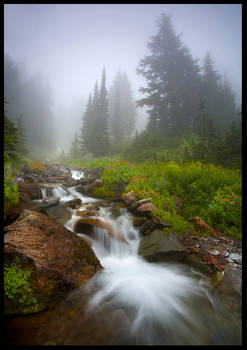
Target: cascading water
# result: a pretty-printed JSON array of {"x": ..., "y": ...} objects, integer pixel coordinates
[
  {"x": 158, "y": 303},
  {"x": 135, "y": 302},
  {"x": 77, "y": 174}
]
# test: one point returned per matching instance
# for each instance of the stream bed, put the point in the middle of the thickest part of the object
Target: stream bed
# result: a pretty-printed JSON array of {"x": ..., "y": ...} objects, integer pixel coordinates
[{"x": 131, "y": 301}]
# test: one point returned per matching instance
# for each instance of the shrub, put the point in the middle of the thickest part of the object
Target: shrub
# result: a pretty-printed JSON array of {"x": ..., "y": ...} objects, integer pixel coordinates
[
  {"x": 11, "y": 193},
  {"x": 37, "y": 166}
]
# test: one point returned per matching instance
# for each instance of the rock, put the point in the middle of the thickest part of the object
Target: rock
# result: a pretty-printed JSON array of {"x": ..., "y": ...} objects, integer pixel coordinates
[
  {"x": 85, "y": 213},
  {"x": 236, "y": 257},
  {"x": 99, "y": 222},
  {"x": 73, "y": 203},
  {"x": 158, "y": 241},
  {"x": 29, "y": 191},
  {"x": 138, "y": 221},
  {"x": 58, "y": 259},
  {"x": 229, "y": 289},
  {"x": 116, "y": 209},
  {"x": 150, "y": 226},
  {"x": 142, "y": 201},
  {"x": 182, "y": 257},
  {"x": 201, "y": 226},
  {"x": 146, "y": 226},
  {"x": 146, "y": 208},
  {"x": 59, "y": 213},
  {"x": 213, "y": 251},
  {"x": 129, "y": 198},
  {"x": 48, "y": 202}
]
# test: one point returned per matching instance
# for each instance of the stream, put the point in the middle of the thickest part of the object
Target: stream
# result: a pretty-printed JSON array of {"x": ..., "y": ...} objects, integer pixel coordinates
[{"x": 132, "y": 301}]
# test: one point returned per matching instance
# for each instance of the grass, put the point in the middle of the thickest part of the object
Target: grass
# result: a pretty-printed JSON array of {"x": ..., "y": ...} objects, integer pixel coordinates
[{"x": 197, "y": 184}]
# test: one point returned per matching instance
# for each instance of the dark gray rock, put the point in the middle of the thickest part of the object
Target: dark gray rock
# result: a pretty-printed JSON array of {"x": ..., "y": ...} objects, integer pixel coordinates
[{"x": 158, "y": 241}]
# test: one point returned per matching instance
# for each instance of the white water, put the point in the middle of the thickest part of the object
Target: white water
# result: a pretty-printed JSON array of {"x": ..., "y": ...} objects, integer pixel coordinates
[
  {"x": 165, "y": 304},
  {"x": 77, "y": 174}
]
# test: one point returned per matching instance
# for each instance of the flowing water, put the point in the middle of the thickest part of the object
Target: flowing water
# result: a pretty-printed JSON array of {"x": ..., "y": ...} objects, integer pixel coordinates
[{"x": 132, "y": 301}]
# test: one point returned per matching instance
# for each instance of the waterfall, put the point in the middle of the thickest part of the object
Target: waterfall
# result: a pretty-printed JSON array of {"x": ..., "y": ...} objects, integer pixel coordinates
[
  {"x": 77, "y": 174},
  {"x": 166, "y": 304},
  {"x": 44, "y": 192}
]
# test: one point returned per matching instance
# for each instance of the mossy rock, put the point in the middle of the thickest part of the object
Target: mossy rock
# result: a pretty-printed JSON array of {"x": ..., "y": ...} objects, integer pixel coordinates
[{"x": 25, "y": 292}]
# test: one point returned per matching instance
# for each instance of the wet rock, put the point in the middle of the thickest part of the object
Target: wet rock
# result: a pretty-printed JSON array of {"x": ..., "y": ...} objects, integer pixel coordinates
[
  {"x": 230, "y": 289},
  {"x": 29, "y": 191},
  {"x": 61, "y": 259},
  {"x": 99, "y": 222},
  {"x": 158, "y": 241},
  {"x": 59, "y": 213},
  {"x": 73, "y": 203},
  {"x": 236, "y": 257},
  {"x": 116, "y": 209},
  {"x": 138, "y": 221},
  {"x": 85, "y": 213}
]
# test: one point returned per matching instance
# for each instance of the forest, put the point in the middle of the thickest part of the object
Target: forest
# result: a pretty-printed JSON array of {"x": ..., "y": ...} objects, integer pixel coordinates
[{"x": 186, "y": 160}]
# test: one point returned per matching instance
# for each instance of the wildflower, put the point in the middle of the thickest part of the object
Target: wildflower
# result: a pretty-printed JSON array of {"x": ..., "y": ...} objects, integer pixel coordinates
[
  {"x": 216, "y": 199},
  {"x": 210, "y": 206},
  {"x": 233, "y": 203}
]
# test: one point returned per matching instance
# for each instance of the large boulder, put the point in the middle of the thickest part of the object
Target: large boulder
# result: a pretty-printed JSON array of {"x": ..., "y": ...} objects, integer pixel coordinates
[
  {"x": 29, "y": 191},
  {"x": 158, "y": 241},
  {"x": 229, "y": 289},
  {"x": 57, "y": 259}
]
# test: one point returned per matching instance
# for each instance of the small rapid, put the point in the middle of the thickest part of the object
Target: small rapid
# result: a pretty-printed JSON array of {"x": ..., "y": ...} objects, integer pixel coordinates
[
  {"x": 135, "y": 302},
  {"x": 159, "y": 304}
]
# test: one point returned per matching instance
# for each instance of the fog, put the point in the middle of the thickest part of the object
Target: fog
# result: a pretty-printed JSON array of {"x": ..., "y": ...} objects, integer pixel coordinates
[{"x": 69, "y": 45}]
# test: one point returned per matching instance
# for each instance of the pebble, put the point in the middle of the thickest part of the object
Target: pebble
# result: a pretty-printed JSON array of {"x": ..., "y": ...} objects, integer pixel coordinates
[
  {"x": 229, "y": 260},
  {"x": 213, "y": 251}
]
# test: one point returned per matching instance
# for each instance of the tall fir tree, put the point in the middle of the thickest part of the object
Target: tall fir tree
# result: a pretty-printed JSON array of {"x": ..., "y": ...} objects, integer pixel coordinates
[
  {"x": 85, "y": 136},
  {"x": 172, "y": 82},
  {"x": 122, "y": 108}
]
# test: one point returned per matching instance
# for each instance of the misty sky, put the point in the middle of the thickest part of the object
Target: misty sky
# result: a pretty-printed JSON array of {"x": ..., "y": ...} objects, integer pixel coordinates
[{"x": 70, "y": 44}]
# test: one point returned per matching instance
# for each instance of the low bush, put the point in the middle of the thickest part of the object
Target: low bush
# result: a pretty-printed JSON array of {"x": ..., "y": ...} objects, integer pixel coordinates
[{"x": 11, "y": 192}]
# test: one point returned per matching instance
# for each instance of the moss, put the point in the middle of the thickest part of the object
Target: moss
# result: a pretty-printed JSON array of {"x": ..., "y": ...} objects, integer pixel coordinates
[
  {"x": 85, "y": 252},
  {"x": 103, "y": 192}
]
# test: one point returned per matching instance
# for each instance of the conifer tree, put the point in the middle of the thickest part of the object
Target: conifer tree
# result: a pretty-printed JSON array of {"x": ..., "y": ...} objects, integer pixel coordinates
[
  {"x": 75, "y": 151},
  {"x": 173, "y": 81},
  {"x": 122, "y": 108},
  {"x": 22, "y": 138}
]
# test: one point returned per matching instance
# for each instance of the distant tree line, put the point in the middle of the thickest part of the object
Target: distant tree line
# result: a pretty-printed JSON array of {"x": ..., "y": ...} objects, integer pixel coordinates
[
  {"x": 108, "y": 120},
  {"x": 30, "y": 104}
]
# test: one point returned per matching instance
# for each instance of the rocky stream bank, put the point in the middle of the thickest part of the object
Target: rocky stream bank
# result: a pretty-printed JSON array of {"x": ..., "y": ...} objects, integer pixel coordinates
[{"x": 60, "y": 261}]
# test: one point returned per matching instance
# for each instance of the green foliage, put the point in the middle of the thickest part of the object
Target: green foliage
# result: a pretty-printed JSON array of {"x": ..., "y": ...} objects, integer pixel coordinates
[
  {"x": 197, "y": 183},
  {"x": 225, "y": 211},
  {"x": 11, "y": 193},
  {"x": 103, "y": 192},
  {"x": 17, "y": 285}
]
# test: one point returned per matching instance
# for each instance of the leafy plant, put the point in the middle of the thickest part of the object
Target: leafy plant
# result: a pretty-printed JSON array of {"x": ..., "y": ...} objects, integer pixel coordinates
[{"x": 17, "y": 286}]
